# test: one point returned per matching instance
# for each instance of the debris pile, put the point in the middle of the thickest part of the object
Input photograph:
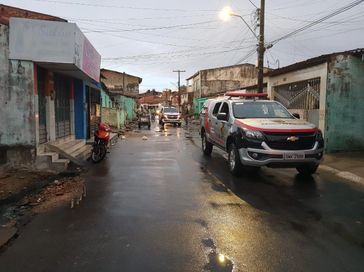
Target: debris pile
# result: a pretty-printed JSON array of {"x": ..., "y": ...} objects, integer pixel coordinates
[
  {"x": 15, "y": 183},
  {"x": 68, "y": 190}
]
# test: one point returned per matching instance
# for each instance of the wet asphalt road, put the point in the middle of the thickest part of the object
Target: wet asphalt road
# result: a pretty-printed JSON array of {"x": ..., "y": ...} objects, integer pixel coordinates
[{"x": 160, "y": 205}]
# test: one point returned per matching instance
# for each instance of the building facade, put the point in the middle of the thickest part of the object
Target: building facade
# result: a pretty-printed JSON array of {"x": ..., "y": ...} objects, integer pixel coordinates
[
  {"x": 49, "y": 75},
  {"x": 121, "y": 83},
  {"x": 123, "y": 90},
  {"x": 214, "y": 81},
  {"x": 327, "y": 91}
]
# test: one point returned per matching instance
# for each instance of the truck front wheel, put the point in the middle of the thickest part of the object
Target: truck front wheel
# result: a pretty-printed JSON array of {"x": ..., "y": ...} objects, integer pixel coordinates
[
  {"x": 307, "y": 169},
  {"x": 235, "y": 165}
]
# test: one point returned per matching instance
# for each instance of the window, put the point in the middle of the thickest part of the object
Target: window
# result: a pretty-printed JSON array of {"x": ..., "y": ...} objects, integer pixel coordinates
[
  {"x": 225, "y": 109},
  {"x": 216, "y": 108},
  {"x": 170, "y": 110},
  {"x": 260, "y": 110}
]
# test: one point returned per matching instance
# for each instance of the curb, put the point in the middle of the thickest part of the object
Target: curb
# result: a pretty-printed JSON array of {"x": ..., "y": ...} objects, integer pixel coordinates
[{"x": 344, "y": 174}]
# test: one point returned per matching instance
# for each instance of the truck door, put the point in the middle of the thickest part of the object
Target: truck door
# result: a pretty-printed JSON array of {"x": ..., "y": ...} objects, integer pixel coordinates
[
  {"x": 224, "y": 125},
  {"x": 214, "y": 124}
]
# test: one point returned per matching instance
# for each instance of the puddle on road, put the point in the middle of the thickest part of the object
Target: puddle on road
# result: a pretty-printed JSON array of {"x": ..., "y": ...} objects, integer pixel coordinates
[
  {"x": 217, "y": 262},
  {"x": 208, "y": 242}
]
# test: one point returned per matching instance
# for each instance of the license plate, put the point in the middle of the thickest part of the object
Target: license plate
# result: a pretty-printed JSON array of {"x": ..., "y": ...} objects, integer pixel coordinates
[
  {"x": 144, "y": 119},
  {"x": 293, "y": 156}
]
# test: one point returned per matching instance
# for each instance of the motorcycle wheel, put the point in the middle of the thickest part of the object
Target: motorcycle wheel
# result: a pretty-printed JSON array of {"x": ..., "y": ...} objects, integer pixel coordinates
[{"x": 98, "y": 153}]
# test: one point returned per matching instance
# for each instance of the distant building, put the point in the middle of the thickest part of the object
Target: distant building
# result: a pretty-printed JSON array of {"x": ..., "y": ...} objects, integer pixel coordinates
[
  {"x": 121, "y": 83},
  {"x": 214, "y": 81},
  {"x": 123, "y": 89},
  {"x": 151, "y": 98}
]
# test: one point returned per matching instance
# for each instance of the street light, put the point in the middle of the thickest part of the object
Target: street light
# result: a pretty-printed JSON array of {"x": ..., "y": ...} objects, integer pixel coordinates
[{"x": 227, "y": 12}]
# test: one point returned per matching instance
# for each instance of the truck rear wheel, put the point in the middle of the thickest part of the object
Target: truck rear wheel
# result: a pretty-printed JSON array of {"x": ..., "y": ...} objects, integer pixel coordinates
[{"x": 206, "y": 145}]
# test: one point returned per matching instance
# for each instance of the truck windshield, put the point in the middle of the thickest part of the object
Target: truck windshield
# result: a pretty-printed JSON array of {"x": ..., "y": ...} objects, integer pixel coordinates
[
  {"x": 170, "y": 110},
  {"x": 256, "y": 109}
]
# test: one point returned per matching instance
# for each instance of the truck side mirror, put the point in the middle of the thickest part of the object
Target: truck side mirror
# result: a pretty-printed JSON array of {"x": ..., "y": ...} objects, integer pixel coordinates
[
  {"x": 222, "y": 116},
  {"x": 296, "y": 115}
]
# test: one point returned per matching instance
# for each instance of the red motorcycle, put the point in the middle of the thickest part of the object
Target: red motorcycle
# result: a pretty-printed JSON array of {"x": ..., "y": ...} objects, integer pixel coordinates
[{"x": 101, "y": 143}]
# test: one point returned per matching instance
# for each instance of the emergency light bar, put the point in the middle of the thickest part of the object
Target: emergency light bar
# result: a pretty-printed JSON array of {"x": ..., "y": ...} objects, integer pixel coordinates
[{"x": 251, "y": 95}]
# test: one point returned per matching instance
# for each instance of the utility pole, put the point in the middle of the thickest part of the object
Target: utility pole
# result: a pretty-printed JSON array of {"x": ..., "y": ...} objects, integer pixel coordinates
[
  {"x": 261, "y": 47},
  {"x": 179, "y": 86}
]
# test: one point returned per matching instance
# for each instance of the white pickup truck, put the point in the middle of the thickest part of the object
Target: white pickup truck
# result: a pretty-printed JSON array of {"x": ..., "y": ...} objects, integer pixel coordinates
[{"x": 259, "y": 132}]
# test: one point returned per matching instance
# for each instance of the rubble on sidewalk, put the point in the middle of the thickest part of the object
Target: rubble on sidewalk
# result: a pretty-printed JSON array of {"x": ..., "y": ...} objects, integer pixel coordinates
[
  {"x": 17, "y": 182},
  {"x": 60, "y": 192}
]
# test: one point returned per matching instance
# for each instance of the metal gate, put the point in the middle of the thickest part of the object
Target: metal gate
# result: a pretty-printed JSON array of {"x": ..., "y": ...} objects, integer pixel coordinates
[
  {"x": 62, "y": 106},
  {"x": 302, "y": 95},
  {"x": 41, "y": 77}
]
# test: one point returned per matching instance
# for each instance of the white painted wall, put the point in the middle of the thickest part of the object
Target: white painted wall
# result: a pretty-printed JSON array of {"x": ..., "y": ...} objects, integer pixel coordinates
[
  {"x": 300, "y": 75},
  {"x": 53, "y": 42},
  {"x": 42, "y": 41}
]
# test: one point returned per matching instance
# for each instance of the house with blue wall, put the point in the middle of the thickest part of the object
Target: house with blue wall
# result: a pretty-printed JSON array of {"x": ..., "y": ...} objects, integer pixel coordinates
[{"x": 50, "y": 93}]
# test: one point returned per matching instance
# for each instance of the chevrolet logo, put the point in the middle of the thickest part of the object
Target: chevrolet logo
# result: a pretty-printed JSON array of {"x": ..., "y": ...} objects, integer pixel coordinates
[{"x": 293, "y": 138}]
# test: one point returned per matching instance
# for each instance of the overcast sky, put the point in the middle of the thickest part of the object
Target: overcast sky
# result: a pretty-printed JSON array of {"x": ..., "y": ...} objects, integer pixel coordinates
[{"x": 150, "y": 39}]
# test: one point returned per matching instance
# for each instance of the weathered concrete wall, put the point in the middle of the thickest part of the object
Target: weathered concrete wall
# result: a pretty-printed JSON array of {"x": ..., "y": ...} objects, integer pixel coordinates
[
  {"x": 227, "y": 78},
  {"x": 121, "y": 83},
  {"x": 128, "y": 105},
  {"x": 300, "y": 75},
  {"x": 213, "y": 81},
  {"x": 110, "y": 117},
  {"x": 344, "y": 109},
  {"x": 105, "y": 100},
  {"x": 197, "y": 105},
  {"x": 196, "y": 86},
  {"x": 17, "y": 109},
  {"x": 244, "y": 72},
  {"x": 114, "y": 117}
]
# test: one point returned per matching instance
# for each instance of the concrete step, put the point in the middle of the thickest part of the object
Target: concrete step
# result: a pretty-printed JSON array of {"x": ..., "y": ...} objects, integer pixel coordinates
[
  {"x": 53, "y": 155},
  {"x": 60, "y": 165},
  {"x": 85, "y": 154},
  {"x": 50, "y": 161},
  {"x": 71, "y": 146},
  {"x": 79, "y": 150}
]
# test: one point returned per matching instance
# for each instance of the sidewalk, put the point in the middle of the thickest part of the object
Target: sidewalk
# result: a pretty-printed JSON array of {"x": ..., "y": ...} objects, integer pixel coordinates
[{"x": 346, "y": 165}]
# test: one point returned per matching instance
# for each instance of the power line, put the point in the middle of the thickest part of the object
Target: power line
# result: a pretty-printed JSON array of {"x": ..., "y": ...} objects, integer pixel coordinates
[
  {"x": 247, "y": 56},
  {"x": 338, "y": 11},
  {"x": 318, "y": 21},
  {"x": 174, "y": 54},
  {"x": 152, "y": 28},
  {"x": 120, "y": 7},
  {"x": 251, "y": 2}
]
